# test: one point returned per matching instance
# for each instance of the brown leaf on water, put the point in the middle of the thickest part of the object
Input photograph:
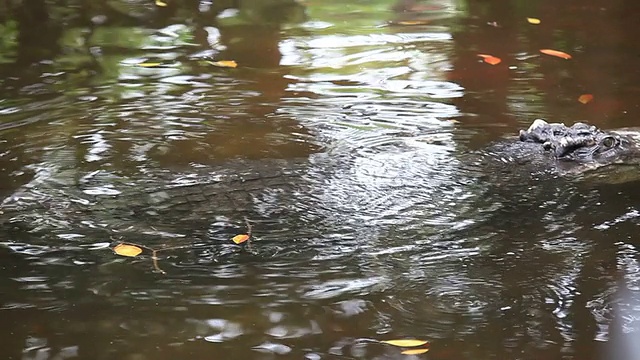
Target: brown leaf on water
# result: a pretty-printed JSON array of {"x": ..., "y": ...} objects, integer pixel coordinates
[
  {"x": 585, "y": 98},
  {"x": 224, "y": 63},
  {"x": 405, "y": 342},
  {"x": 556, "y": 53},
  {"x": 490, "y": 59},
  {"x": 127, "y": 250},
  {"x": 534, "y": 21},
  {"x": 239, "y": 239},
  {"x": 414, "y": 351}
]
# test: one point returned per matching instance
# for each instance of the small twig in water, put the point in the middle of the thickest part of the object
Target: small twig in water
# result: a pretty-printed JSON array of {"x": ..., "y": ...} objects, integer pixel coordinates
[
  {"x": 154, "y": 258},
  {"x": 154, "y": 252},
  {"x": 249, "y": 228}
]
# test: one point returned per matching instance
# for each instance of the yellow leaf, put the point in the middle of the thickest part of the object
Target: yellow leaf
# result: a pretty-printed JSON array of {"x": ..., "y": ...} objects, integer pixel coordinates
[
  {"x": 239, "y": 239},
  {"x": 585, "y": 98},
  {"x": 149, "y": 64},
  {"x": 127, "y": 250},
  {"x": 413, "y": 22},
  {"x": 414, "y": 351},
  {"x": 161, "y": 3},
  {"x": 405, "y": 343},
  {"x": 533, "y": 21},
  {"x": 224, "y": 63},
  {"x": 556, "y": 53}
]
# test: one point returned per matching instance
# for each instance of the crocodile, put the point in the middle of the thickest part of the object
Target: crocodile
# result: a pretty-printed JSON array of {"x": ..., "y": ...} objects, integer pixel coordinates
[
  {"x": 287, "y": 188},
  {"x": 583, "y": 147}
]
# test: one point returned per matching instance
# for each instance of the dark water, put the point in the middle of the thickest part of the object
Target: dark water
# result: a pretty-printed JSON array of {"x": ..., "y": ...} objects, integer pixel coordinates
[{"x": 370, "y": 219}]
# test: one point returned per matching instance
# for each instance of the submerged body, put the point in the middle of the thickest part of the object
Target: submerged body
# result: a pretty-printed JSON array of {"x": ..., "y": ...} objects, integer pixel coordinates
[{"x": 285, "y": 189}]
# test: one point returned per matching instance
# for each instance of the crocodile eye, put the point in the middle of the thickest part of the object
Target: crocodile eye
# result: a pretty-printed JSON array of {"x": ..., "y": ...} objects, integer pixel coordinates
[{"x": 609, "y": 141}]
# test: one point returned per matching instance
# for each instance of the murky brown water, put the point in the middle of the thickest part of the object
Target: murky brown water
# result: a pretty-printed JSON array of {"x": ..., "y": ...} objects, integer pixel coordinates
[{"x": 345, "y": 139}]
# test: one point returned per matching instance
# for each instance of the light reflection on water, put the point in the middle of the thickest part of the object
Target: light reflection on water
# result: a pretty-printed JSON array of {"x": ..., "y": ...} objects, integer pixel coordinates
[{"x": 347, "y": 150}]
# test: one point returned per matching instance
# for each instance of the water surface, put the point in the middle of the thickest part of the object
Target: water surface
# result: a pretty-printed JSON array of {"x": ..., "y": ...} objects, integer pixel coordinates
[{"x": 352, "y": 139}]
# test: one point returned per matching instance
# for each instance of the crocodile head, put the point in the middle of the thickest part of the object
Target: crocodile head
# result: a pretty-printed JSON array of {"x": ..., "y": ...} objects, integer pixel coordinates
[{"x": 582, "y": 147}]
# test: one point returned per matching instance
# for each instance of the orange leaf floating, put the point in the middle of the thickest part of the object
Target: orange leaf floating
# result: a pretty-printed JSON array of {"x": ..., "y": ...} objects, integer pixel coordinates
[
  {"x": 127, "y": 250},
  {"x": 490, "y": 59},
  {"x": 224, "y": 63},
  {"x": 585, "y": 98},
  {"x": 239, "y": 239},
  {"x": 533, "y": 21},
  {"x": 556, "y": 53},
  {"x": 414, "y": 351},
  {"x": 405, "y": 342}
]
